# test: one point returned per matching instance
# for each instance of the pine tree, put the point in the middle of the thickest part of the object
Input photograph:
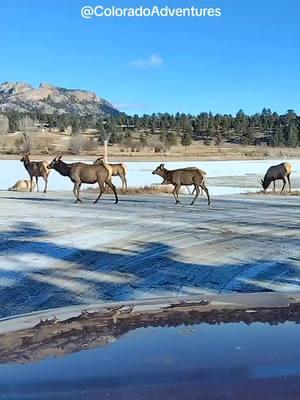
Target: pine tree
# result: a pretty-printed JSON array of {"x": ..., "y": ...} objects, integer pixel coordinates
[
  {"x": 278, "y": 139},
  {"x": 292, "y": 137},
  {"x": 186, "y": 139},
  {"x": 101, "y": 134}
]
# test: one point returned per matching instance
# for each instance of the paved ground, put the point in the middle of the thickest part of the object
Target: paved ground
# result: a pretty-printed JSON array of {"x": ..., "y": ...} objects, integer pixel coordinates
[{"x": 55, "y": 253}]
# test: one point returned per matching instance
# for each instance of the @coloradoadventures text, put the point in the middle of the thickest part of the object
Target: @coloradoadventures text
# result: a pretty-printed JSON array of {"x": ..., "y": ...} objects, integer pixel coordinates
[{"x": 89, "y": 12}]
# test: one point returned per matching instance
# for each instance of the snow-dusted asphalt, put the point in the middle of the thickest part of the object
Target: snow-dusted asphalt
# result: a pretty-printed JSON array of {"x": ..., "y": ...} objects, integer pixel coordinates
[{"x": 54, "y": 253}]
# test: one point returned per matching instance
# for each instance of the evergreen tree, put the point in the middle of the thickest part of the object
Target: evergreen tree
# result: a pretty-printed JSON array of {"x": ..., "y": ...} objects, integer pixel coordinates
[
  {"x": 248, "y": 137},
  {"x": 278, "y": 138},
  {"x": 102, "y": 135},
  {"x": 292, "y": 137},
  {"x": 75, "y": 126},
  {"x": 186, "y": 139}
]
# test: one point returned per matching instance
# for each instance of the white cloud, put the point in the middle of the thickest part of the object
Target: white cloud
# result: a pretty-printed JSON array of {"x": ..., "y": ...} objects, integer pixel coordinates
[{"x": 152, "y": 61}]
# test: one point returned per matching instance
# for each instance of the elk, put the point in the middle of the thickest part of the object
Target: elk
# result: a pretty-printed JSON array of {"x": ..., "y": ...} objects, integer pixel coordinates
[
  {"x": 183, "y": 176},
  {"x": 277, "y": 172},
  {"x": 166, "y": 182},
  {"x": 84, "y": 173},
  {"x": 117, "y": 170},
  {"x": 22, "y": 186},
  {"x": 36, "y": 169}
]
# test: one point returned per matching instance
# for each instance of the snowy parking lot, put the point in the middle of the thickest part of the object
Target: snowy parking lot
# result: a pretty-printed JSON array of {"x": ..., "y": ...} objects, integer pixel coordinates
[{"x": 54, "y": 253}]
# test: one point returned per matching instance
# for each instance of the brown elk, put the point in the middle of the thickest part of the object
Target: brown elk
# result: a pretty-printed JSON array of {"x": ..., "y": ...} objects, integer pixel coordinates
[
  {"x": 84, "y": 173},
  {"x": 277, "y": 172},
  {"x": 183, "y": 176},
  {"x": 35, "y": 170},
  {"x": 117, "y": 170},
  {"x": 166, "y": 182}
]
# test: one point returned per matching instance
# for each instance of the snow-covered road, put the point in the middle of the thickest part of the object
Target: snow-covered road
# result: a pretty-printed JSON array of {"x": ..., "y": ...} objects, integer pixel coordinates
[{"x": 54, "y": 253}]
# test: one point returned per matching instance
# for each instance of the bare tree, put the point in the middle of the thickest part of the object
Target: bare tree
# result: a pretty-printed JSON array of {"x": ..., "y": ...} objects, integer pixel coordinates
[
  {"x": 26, "y": 124},
  {"x": 26, "y": 144},
  {"x": 76, "y": 144},
  {"x": 4, "y": 124}
]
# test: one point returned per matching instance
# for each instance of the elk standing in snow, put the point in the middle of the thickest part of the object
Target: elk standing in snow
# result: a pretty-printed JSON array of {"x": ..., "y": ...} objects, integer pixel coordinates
[
  {"x": 277, "y": 172},
  {"x": 185, "y": 177},
  {"x": 84, "y": 173},
  {"x": 36, "y": 169},
  {"x": 117, "y": 170}
]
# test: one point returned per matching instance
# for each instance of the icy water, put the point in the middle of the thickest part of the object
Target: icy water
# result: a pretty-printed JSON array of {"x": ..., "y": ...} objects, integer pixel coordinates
[
  {"x": 139, "y": 174},
  {"x": 224, "y": 361}
]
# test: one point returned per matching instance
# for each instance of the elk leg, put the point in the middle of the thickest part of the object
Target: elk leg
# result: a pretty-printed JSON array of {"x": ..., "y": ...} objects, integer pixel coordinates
[
  {"x": 76, "y": 192},
  {"x": 206, "y": 191},
  {"x": 113, "y": 188},
  {"x": 175, "y": 194},
  {"x": 283, "y": 186},
  {"x": 37, "y": 183},
  {"x": 289, "y": 180},
  {"x": 124, "y": 182},
  {"x": 101, "y": 190},
  {"x": 274, "y": 186},
  {"x": 46, "y": 183},
  {"x": 197, "y": 194},
  {"x": 31, "y": 180}
]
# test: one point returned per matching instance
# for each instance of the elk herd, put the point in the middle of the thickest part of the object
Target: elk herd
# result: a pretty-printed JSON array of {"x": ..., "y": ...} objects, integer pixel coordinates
[{"x": 101, "y": 173}]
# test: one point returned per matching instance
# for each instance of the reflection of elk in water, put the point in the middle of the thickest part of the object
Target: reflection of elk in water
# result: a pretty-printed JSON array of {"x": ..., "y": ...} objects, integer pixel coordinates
[
  {"x": 183, "y": 177},
  {"x": 277, "y": 172},
  {"x": 117, "y": 170},
  {"x": 166, "y": 182},
  {"x": 22, "y": 186},
  {"x": 35, "y": 170},
  {"x": 84, "y": 173}
]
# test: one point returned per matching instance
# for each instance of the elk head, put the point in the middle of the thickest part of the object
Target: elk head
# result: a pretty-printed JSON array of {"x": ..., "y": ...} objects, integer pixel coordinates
[
  {"x": 54, "y": 162},
  {"x": 25, "y": 157},
  {"x": 160, "y": 170},
  {"x": 99, "y": 160}
]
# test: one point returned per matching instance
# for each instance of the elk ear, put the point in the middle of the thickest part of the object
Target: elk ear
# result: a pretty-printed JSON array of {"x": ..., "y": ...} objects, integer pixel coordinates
[
  {"x": 59, "y": 157},
  {"x": 162, "y": 166}
]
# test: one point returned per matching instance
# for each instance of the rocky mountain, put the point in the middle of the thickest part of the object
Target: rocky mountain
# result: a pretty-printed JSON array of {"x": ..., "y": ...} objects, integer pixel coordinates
[{"x": 47, "y": 99}]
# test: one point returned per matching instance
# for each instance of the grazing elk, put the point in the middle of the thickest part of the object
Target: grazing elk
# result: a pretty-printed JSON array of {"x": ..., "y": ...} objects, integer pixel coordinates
[
  {"x": 183, "y": 176},
  {"x": 36, "y": 169},
  {"x": 22, "y": 186},
  {"x": 84, "y": 173},
  {"x": 117, "y": 170},
  {"x": 166, "y": 182},
  {"x": 277, "y": 172}
]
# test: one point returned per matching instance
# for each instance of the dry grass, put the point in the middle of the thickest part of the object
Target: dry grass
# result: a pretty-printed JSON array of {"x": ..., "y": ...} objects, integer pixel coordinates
[
  {"x": 142, "y": 190},
  {"x": 276, "y": 193},
  {"x": 50, "y": 143}
]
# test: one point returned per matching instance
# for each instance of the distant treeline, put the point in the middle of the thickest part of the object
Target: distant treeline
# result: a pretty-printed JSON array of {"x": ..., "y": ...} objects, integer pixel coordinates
[{"x": 267, "y": 127}]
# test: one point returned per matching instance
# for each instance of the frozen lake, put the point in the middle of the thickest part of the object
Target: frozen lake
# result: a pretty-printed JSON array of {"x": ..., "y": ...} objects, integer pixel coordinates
[{"x": 224, "y": 177}]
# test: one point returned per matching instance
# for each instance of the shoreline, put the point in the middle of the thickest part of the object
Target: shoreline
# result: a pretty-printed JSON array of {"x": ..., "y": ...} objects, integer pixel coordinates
[{"x": 154, "y": 158}]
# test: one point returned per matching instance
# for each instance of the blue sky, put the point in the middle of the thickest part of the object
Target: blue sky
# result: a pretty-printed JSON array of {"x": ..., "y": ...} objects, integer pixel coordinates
[{"x": 248, "y": 58}]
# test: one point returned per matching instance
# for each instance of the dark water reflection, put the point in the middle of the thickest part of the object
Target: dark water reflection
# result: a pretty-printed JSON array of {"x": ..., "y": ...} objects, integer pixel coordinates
[{"x": 201, "y": 361}]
